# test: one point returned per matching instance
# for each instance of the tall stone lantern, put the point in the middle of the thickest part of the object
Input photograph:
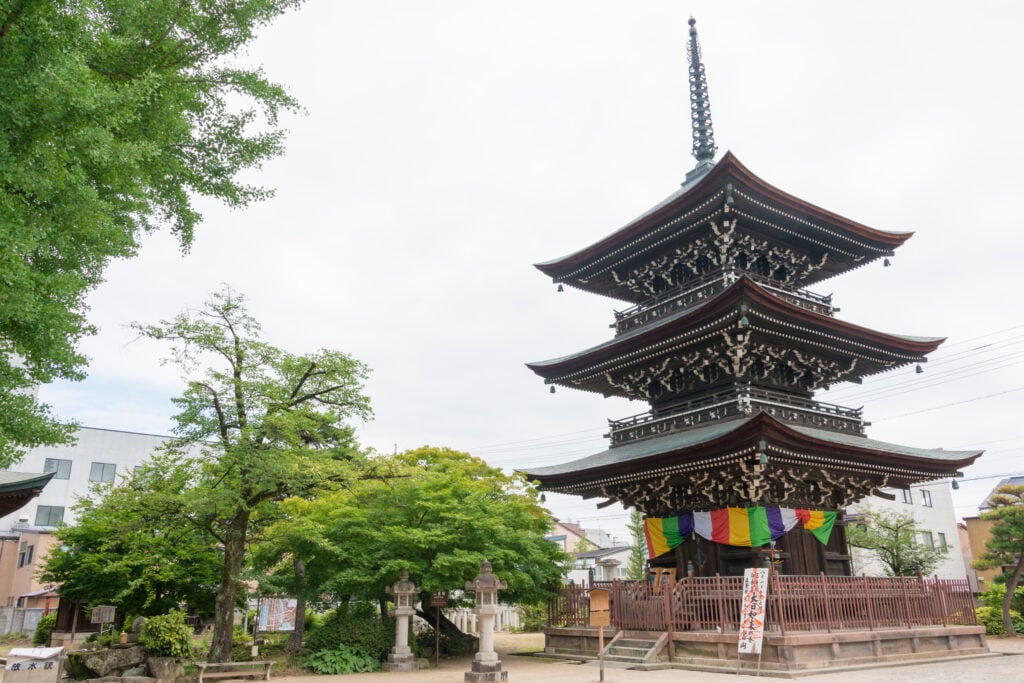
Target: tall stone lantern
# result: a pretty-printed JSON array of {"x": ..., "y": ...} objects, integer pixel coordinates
[
  {"x": 486, "y": 665},
  {"x": 401, "y": 657}
]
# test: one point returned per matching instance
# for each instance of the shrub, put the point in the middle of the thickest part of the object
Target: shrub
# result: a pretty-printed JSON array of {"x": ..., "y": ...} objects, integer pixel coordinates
[
  {"x": 992, "y": 619},
  {"x": 452, "y": 645},
  {"x": 357, "y": 626},
  {"x": 167, "y": 635},
  {"x": 535, "y": 618},
  {"x": 41, "y": 636},
  {"x": 341, "y": 660}
]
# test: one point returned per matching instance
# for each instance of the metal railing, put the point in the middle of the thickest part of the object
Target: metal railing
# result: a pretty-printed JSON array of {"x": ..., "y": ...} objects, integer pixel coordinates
[
  {"x": 795, "y": 603},
  {"x": 698, "y": 290},
  {"x": 741, "y": 400}
]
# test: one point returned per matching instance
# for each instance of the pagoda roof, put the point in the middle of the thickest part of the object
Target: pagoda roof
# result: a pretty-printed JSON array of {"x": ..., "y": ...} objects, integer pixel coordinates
[
  {"x": 18, "y": 488},
  {"x": 709, "y": 447},
  {"x": 788, "y": 218},
  {"x": 769, "y": 316}
]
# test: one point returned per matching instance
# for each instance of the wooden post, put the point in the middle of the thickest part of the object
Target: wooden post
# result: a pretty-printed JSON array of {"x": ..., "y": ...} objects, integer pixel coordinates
[
  {"x": 600, "y": 649},
  {"x": 670, "y": 592},
  {"x": 828, "y": 608}
]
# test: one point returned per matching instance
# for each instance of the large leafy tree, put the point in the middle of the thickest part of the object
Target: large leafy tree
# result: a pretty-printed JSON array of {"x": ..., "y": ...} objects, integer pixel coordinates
[
  {"x": 266, "y": 425},
  {"x": 130, "y": 548},
  {"x": 436, "y": 513},
  {"x": 893, "y": 538},
  {"x": 1005, "y": 546},
  {"x": 114, "y": 114}
]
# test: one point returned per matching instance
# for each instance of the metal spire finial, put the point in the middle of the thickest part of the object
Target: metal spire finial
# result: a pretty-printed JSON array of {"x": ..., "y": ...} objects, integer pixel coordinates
[{"x": 700, "y": 104}]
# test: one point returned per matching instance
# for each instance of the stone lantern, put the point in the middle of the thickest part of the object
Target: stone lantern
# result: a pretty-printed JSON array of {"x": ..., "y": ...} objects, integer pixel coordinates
[
  {"x": 486, "y": 665},
  {"x": 404, "y": 593}
]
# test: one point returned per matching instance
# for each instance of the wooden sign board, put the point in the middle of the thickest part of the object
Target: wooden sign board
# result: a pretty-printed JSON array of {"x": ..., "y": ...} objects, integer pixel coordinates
[
  {"x": 600, "y": 607},
  {"x": 439, "y": 599},
  {"x": 102, "y": 614}
]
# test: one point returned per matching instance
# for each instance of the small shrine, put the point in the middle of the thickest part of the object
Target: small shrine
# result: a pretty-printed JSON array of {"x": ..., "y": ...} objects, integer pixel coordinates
[{"x": 736, "y": 458}]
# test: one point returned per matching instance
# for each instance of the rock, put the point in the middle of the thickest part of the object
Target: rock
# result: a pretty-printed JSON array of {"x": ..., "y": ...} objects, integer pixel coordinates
[{"x": 113, "y": 661}]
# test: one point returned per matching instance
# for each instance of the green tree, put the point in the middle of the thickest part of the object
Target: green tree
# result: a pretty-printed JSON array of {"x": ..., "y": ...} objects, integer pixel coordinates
[
  {"x": 638, "y": 546},
  {"x": 264, "y": 425},
  {"x": 436, "y": 513},
  {"x": 130, "y": 548},
  {"x": 114, "y": 114},
  {"x": 1005, "y": 546},
  {"x": 893, "y": 538}
]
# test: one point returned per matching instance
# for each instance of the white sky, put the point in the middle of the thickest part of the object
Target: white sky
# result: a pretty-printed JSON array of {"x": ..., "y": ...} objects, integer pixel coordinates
[{"x": 450, "y": 145}]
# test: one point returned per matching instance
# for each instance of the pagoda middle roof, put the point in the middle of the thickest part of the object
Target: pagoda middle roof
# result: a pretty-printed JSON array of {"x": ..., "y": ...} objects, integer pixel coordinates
[
  {"x": 635, "y": 460},
  {"x": 700, "y": 198},
  {"x": 767, "y": 314}
]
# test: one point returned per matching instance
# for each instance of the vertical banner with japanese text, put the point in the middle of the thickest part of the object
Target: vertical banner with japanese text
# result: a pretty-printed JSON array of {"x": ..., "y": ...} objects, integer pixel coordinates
[{"x": 752, "y": 609}]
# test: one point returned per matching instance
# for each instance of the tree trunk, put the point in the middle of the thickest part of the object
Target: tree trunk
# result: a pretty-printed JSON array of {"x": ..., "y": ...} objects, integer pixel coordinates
[
  {"x": 1011, "y": 588},
  {"x": 227, "y": 592},
  {"x": 295, "y": 639}
]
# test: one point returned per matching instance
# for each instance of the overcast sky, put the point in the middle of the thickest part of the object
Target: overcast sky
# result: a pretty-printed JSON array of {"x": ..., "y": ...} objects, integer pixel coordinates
[{"x": 448, "y": 146}]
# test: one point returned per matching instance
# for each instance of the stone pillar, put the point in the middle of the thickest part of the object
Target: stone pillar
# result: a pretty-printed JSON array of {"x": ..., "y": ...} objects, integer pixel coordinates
[
  {"x": 486, "y": 665},
  {"x": 402, "y": 657}
]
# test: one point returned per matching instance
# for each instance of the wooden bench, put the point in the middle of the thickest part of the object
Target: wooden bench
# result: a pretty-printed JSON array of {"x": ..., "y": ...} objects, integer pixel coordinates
[{"x": 234, "y": 670}]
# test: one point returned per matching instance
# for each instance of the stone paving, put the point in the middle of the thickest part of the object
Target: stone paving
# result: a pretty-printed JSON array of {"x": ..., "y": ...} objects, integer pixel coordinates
[{"x": 1006, "y": 665}]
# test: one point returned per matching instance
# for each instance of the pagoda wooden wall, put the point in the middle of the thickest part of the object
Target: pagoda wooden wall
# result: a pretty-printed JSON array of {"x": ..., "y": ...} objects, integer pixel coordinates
[{"x": 798, "y": 551}]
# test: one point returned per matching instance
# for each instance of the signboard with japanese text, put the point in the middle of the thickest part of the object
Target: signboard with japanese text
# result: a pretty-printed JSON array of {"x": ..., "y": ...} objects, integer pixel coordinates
[
  {"x": 752, "y": 609},
  {"x": 102, "y": 614},
  {"x": 33, "y": 665}
]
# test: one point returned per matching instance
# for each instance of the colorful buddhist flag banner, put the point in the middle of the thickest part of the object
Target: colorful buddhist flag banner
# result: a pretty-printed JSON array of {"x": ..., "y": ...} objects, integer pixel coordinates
[{"x": 754, "y": 526}]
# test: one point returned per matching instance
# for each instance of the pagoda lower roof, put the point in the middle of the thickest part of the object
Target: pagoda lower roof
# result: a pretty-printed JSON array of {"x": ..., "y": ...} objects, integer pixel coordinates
[
  {"x": 710, "y": 447},
  {"x": 769, "y": 316},
  {"x": 18, "y": 488},
  {"x": 774, "y": 212}
]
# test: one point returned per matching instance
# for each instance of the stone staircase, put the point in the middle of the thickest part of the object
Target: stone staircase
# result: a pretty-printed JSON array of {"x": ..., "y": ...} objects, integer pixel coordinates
[{"x": 634, "y": 653}]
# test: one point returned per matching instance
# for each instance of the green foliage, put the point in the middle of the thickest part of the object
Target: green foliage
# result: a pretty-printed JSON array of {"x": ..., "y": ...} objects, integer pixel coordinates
[
  {"x": 115, "y": 115},
  {"x": 893, "y": 538},
  {"x": 167, "y": 635},
  {"x": 41, "y": 636},
  {"x": 1005, "y": 546},
  {"x": 131, "y": 546},
  {"x": 436, "y": 513},
  {"x": 451, "y": 644},
  {"x": 636, "y": 568},
  {"x": 992, "y": 619},
  {"x": 355, "y": 625},
  {"x": 341, "y": 660},
  {"x": 535, "y": 617},
  {"x": 258, "y": 424}
]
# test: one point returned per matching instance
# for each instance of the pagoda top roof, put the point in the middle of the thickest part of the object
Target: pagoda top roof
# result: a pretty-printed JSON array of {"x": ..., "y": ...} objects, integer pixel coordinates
[
  {"x": 766, "y": 313},
  {"x": 710, "y": 443},
  {"x": 706, "y": 190}
]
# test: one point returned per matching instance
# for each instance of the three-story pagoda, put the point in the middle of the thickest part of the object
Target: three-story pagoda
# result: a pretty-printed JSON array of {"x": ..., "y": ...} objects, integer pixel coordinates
[{"x": 728, "y": 346}]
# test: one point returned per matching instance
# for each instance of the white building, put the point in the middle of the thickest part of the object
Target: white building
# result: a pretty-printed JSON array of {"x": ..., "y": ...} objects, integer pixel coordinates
[
  {"x": 26, "y": 536},
  {"x": 931, "y": 504}
]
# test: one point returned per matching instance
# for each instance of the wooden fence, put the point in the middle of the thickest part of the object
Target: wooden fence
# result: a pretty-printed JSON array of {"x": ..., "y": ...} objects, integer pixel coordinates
[{"x": 795, "y": 603}]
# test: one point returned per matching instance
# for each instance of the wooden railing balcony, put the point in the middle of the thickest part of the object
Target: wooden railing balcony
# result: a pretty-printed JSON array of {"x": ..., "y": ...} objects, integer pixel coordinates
[
  {"x": 795, "y": 603},
  {"x": 693, "y": 292},
  {"x": 735, "y": 402}
]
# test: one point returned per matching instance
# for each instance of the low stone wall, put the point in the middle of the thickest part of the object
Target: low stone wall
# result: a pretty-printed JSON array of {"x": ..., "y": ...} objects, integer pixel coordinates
[{"x": 792, "y": 654}]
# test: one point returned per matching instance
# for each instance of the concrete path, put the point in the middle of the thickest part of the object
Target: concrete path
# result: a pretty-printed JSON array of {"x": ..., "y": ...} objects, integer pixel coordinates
[{"x": 1005, "y": 667}]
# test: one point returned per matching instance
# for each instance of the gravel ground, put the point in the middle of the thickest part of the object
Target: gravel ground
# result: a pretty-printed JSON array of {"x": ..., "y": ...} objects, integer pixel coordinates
[{"x": 1006, "y": 665}]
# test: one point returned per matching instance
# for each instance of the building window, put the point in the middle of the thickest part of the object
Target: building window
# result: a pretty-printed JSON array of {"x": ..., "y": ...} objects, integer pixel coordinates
[
  {"x": 61, "y": 467},
  {"x": 102, "y": 472},
  {"x": 942, "y": 541},
  {"x": 926, "y": 498},
  {"x": 49, "y": 515},
  {"x": 25, "y": 554},
  {"x": 908, "y": 497},
  {"x": 928, "y": 540}
]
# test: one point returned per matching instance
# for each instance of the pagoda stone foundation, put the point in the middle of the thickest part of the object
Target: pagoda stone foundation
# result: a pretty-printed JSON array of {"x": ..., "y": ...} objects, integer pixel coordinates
[
  {"x": 790, "y": 656},
  {"x": 736, "y": 463}
]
